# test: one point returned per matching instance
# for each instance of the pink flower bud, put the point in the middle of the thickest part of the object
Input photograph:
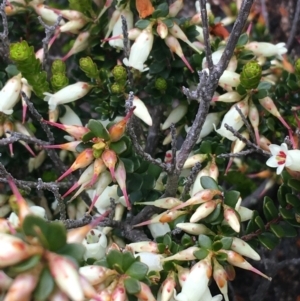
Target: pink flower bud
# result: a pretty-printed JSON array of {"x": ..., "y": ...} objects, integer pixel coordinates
[
  {"x": 47, "y": 14},
  {"x": 187, "y": 254},
  {"x": 119, "y": 293},
  {"x": 121, "y": 179},
  {"x": 165, "y": 203},
  {"x": 182, "y": 274},
  {"x": 175, "y": 8},
  {"x": 167, "y": 287},
  {"x": 13, "y": 250},
  {"x": 228, "y": 97},
  {"x": 88, "y": 289},
  {"x": 96, "y": 274},
  {"x": 84, "y": 159},
  {"x": 65, "y": 275},
  {"x": 69, "y": 146},
  {"x": 27, "y": 90},
  {"x": 254, "y": 119},
  {"x": 74, "y": 130},
  {"x": 99, "y": 167},
  {"x": 144, "y": 246},
  {"x": 203, "y": 211},
  {"x": 162, "y": 29},
  {"x": 264, "y": 143},
  {"x": 237, "y": 260},
  {"x": 174, "y": 46}
]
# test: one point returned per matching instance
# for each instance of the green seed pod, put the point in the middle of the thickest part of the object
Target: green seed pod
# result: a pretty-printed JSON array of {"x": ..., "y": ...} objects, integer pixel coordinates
[
  {"x": 161, "y": 84},
  {"x": 119, "y": 73},
  {"x": 58, "y": 66},
  {"x": 59, "y": 81},
  {"x": 251, "y": 75},
  {"x": 88, "y": 67},
  {"x": 117, "y": 88},
  {"x": 297, "y": 68}
]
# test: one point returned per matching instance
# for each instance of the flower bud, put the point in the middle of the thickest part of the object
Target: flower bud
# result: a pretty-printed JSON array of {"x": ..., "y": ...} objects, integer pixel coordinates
[
  {"x": 84, "y": 159},
  {"x": 27, "y": 89},
  {"x": 174, "y": 46},
  {"x": 120, "y": 175},
  {"x": 47, "y": 14},
  {"x": 244, "y": 249},
  {"x": 187, "y": 254},
  {"x": 267, "y": 49},
  {"x": 245, "y": 213},
  {"x": 96, "y": 274},
  {"x": 197, "y": 183},
  {"x": 59, "y": 81},
  {"x": 67, "y": 94},
  {"x": 228, "y": 97},
  {"x": 141, "y": 111},
  {"x": 182, "y": 273},
  {"x": 254, "y": 119},
  {"x": 251, "y": 75},
  {"x": 168, "y": 286},
  {"x": 95, "y": 244},
  {"x": 232, "y": 219},
  {"x": 119, "y": 293},
  {"x": 216, "y": 56},
  {"x": 162, "y": 29},
  {"x": 194, "y": 228},
  {"x": 10, "y": 94},
  {"x": 165, "y": 203},
  {"x": 88, "y": 66},
  {"x": 119, "y": 73},
  {"x": 161, "y": 84},
  {"x": 175, "y": 8},
  {"x": 145, "y": 293},
  {"x": 203, "y": 211},
  {"x": 58, "y": 66},
  {"x": 144, "y": 8},
  {"x": 13, "y": 250},
  {"x": 220, "y": 276},
  {"x": 144, "y": 246},
  {"x": 159, "y": 229},
  {"x": 110, "y": 159},
  {"x": 175, "y": 116}
]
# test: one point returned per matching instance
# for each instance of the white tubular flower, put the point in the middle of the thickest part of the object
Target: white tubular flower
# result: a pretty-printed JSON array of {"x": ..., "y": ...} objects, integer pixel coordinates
[
  {"x": 141, "y": 111},
  {"x": 208, "y": 126},
  {"x": 67, "y": 94},
  {"x": 153, "y": 261},
  {"x": 282, "y": 157},
  {"x": 104, "y": 199},
  {"x": 216, "y": 56},
  {"x": 233, "y": 119},
  {"x": 267, "y": 49},
  {"x": 159, "y": 229},
  {"x": 208, "y": 297},
  {"x": 70, "y": 117},
  {"x": 117, "y": 29},
  {"x": 175, "y": 116},
  {"x": 196, "y": 283},
  {"x": 229, "y": 79},
  {"x": 10, "y": 94},
  {"x": 47, "y": 14},
  {"x": 140, "y": 50},
  {"x": 95, "y": 244}
]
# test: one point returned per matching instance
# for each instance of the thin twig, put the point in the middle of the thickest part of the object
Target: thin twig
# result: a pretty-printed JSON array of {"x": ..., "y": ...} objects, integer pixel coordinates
[
  {"x": 247, "y": 124},
  {"x": 237, "y": 155},
  {"x": 15, "y": 136},
  {"x": 4, "y": 48},
  {"x": 49, "y": 31},
  {"x": 294, "y": 27},
  {"x": 245, "y": 140},
  {"x": 173, "y": 147},
  {"x": 207, "y": 45},
  {"x": 191, "y": 179}
]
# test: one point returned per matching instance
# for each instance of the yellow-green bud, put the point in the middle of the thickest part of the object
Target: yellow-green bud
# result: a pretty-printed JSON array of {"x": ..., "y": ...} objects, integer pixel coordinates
[
  {"x": 297, "y": 68},
  {"x": 88, "y": 66},
  {"x": 58, "y": 66},
  {"x": 59, "y": 81},
  {"x": 117, "y": 88},
  {"x": 20, "y": 51},
  {"x": 97, "y": 153},
  {"x": 251, "y": 75},
  {"x": 119, "y": 73},
  {"x": 161, "y": 84}
]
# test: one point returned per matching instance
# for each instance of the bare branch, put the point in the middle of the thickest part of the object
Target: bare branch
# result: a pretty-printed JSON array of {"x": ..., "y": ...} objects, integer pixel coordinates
[
  {"x": 174, "y": 149},
  {"x": 49, "y": 31},
  {"x": 15, "y": 136},
  {"x": 237, "y": 155},
  {"x": 191, "y": 179},
  {"x": 4, "y": 48}
]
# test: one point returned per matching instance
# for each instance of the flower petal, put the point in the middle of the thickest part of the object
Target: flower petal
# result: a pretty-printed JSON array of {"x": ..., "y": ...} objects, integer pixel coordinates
[
  {"x": 280, "y": 169},
  {"x": 272, "y": 162},
  {"x": 275, "y": 149}
]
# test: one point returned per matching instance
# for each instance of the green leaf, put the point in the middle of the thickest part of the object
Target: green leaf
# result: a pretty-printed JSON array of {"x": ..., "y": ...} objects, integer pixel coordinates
[
  {"x": 186, "y": 240},
  {"x": 205, "y": 147},
  {"x": 44, "y": 287},
  {"x": 168, "y": 22},
  {"x": 241, "y": 90},
  {"x": 12, "y": 70},
  {"x": 221, "y": 256},
  {"x": 167, "y": 241},
  {"x": 161, "y": 11},
  {"x": 264, "y": 86},
  {"x": 204, "y": 241},
  {"x": 134, "y": 183},
  {"x": 74, "y": 250},
  {"x": 281, "y": 193},
  {"x": 226, "y": 242},
  {"x": 118, "y": 147},
  {"x": 217, "y": 245},
  {"x": 260, "y": 223},
  {"x": 294, "y": 184},
  {"x": 148, "y": 182},
  {"x": 268, "y": 240},
  {"x": 262, "y": 93},
  {"x": 137, "y": 270},
  {"x": 88, "y": 136},
  {"x": 129, "y": 166},
  {"x": 132, "y": 286},
  {"x": 277, "y": 230},
  {"x": 142, "y": 24},
  {"x": 201, "y": 254},
  {"x": 252, "y": 226},
  {"x": 270, "y": 206},
  {"x": 208, "y": 183},
  {"x": 25, "y": 265},
  {"x": 82, "y": 146},
  {"x": 292, "y": 199},
  {"x": 115, "y": 260},
  {"x": 287, "y": 214},
  {"x": 288, "y": 230},
  {"x": 243, "y": 40},
  {"x": 98, "y": 129},
  {"x": 128, "y": 260},
  {"x": 214, "y": 215},
  {"x": 231, "y": 198},
  {"x": 56, "y": 236}
]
